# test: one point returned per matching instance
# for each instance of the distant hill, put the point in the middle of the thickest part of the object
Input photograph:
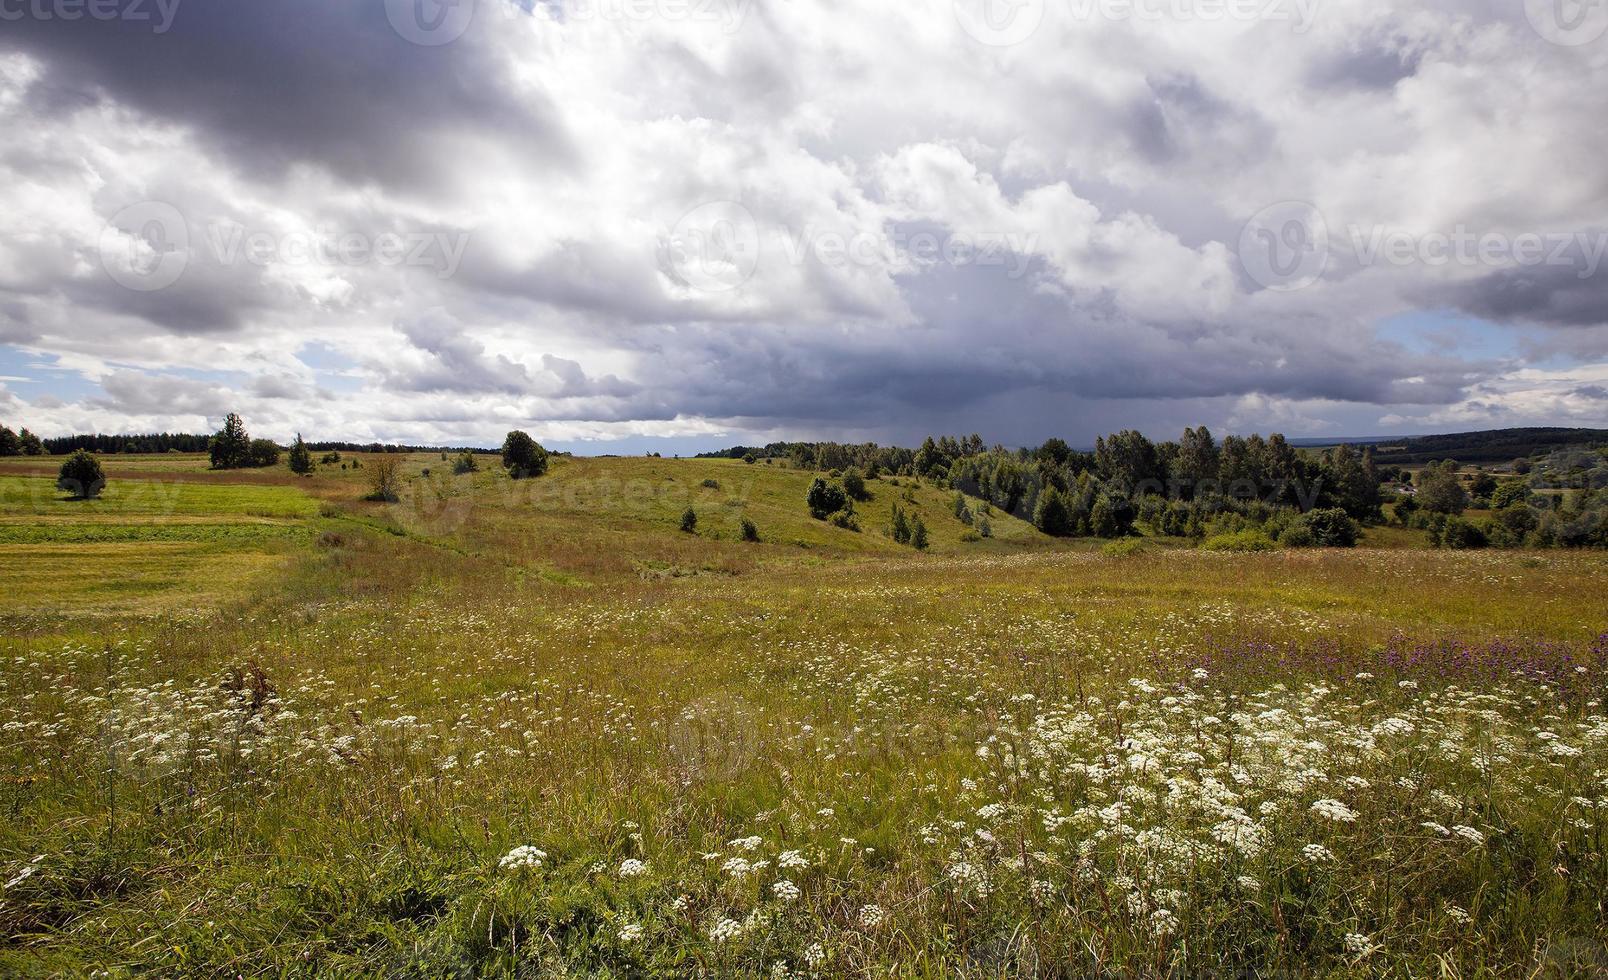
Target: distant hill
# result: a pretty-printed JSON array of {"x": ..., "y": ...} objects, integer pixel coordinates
[{"x": 1489, "y": 446}]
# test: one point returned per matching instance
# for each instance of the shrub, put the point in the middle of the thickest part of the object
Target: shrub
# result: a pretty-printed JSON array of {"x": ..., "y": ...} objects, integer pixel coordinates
[
  {"x": 970, "y": 536},
  {"x": 710, "y": 484},
  {"x": 918, "y": 535},
  {"x": 984, "y": 529},
  {"x": 263, "y": 452},
  {"x": 1122, "y": 547},
  {"x": 523, "y": 456},
  {"x": 846, "y": 520},
  {"x": 825, "y": 499},
  {"x": 1330, "y": 527},
  {"x": 750, "y": 531},
  {"x": 465, "y": 463},
  {"x": 689, "y": 521},
  {"x": 1247, "y": 540},
  {"x": 330, "y": 458},
  {"x": 1460, "y": 535},
  {"x": 854, "y": 485},
  {"x": 1297, "y": 536},
  {"x": 81, "y": 476},
  {"x": 385, "y": 480}
]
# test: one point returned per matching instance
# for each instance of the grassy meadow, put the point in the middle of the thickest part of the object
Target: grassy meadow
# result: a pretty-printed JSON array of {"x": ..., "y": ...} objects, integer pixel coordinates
[{"x": 256, "y": 726}]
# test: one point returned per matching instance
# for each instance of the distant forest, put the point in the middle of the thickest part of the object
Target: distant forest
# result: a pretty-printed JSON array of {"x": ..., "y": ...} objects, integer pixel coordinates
[
  {"x": 1493, "y": 446},
  {"x": 176, "y": 442}
]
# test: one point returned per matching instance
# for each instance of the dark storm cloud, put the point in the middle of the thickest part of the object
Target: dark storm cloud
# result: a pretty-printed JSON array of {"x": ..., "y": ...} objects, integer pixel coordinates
[
  {"x": 1570, "y": 294},
  {"x": 272, "y": 84}
]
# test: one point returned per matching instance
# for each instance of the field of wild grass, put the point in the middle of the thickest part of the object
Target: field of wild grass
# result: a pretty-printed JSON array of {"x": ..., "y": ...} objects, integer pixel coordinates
[{"x": 534, "y": 730}]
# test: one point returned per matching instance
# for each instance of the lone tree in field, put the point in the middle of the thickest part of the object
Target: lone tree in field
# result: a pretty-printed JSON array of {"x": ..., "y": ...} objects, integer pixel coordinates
[
  {"x": 825, "y": 499},
  {"x": 81, "y": 476},
  {"x": 385, "y": 480},
  {"x": 231, "y": 446},
  {"x": 301, "y": 461},
  {"x": 689, "y": 521},
  {"x": 523, "y": 456}
]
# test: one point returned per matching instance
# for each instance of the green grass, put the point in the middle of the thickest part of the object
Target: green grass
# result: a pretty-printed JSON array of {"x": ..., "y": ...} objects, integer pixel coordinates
[
  {"x": 36, "y": 497},
  {"x": 315, "y": 766}
]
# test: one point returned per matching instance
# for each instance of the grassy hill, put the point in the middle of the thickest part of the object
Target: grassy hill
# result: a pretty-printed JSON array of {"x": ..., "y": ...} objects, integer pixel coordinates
[{"x": 257, "y": 725}]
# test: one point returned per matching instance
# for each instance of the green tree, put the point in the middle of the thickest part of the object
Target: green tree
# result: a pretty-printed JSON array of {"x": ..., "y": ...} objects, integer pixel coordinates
[
  {"x": 1510, "y": 492},
  {"x": 9, "y": 444},
  {"x": 1483, "y": 486},
  {"x": 29, "y": 444},
  {"x": 918, "y": 535},
  {"x": 523, "y": 456},
  {"x": 900, "y": 529},
  {"x": 263, "y": 452},
  {"x": 1440, "y": 491},
  {"x": 854, "y": 484},
  {"x": 230, "y": 448},
  {"x": 1129, "y": 461},
  {"x": 1111, "y": 517},
  {"x": 301, "y": 461},
  {"x": 1050, "y": 515},
  {"x": 1196, "y": 461},
  {"x": 825, "y": 499},
  {"x": 1351, "y": 483},
  {"x": 81, "y": 476},
  {"x": 689, "y": 521},
  {"x": 963, "y": 513}
]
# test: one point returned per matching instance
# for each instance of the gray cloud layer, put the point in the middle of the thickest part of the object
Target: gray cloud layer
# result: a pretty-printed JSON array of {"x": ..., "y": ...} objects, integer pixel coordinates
[{"x": 769, "y": 221}]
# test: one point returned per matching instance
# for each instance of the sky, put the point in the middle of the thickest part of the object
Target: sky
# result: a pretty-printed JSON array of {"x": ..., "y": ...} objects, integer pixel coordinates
[{"x": 677, "y": 225}]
